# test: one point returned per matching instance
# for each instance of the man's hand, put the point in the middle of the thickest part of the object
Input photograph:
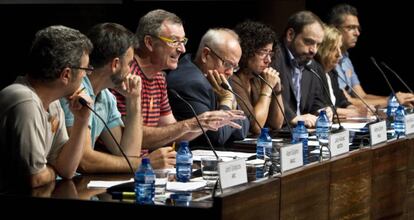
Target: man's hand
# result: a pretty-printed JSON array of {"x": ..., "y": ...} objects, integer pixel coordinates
[
  {"x": 213, "y": 120},
  {"x": 216, "y": 79},
  {"x": 162, "y": 158},
  {"x": 406, "y": 99},
  {"x": 78, "y": 110},
  {"x": 309, "y": 119},
  {"x": 131, "y": 87}
]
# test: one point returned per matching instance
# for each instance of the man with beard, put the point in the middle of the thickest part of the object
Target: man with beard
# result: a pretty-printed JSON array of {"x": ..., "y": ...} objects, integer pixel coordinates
[
  {"x": 302, "y": 91},
  {"x": 34, "y": 145},
  {"x": 345, "y": 18},
  {"x": 161, "y": 41},
  {"x": 111, "y": 58}
]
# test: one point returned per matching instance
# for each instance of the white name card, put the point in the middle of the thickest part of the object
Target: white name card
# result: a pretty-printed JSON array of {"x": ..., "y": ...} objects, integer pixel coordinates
[
  {"x": 378, "y": 133},
  {"x": 409, "y": 124},
  {"x": 232, "y": 173},
  {"x": 339, "y": 142},
  {"x": 291, "y": 156}
]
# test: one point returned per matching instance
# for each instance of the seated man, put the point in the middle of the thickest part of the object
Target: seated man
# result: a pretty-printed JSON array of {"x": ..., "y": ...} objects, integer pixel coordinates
[
  {"x": 199, "y": 83},
  {"x": 112, "y": 54},
  {"x": 302, "y": 90},
  {"x": 34, "y": 144},
  {"x": 345, "y": 18},
  {"x": 161, "y": 41}
]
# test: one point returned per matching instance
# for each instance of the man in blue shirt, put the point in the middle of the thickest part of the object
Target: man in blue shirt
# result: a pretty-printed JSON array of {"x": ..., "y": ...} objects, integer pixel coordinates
[{"x": 345, "y": 18}]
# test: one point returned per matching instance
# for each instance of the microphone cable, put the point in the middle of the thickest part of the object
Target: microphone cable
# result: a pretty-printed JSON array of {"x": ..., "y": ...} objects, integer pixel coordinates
[{"x": 85, "y": 103}]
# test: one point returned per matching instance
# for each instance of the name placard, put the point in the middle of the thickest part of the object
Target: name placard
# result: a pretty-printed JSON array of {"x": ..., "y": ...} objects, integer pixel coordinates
[
  {"x": 291, "y": 156},
  {"x": 339, "y": 143},
  {"x": 377, "y": 133},
  {"x": 232, "y": 173},
  {"x": 409, "y": 124}
]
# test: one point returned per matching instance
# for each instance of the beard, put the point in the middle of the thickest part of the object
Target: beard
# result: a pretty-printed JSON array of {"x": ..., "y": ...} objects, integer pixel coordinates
[{"x": 117, "y": 79}]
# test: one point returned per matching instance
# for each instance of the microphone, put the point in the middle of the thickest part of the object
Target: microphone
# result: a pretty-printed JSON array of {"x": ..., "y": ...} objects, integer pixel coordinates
[
  {"x": 385, "y": 77},
  {"x": 360, "y": 98},
  {"x": 84, "y": 103},
  {"x": 399, "y": 78},
  {"x": 198, "y": 121},
  {"x": 227, "y": 87},
  {"x": 326, "y": 90},
  {"x": 275, "y": 96}
]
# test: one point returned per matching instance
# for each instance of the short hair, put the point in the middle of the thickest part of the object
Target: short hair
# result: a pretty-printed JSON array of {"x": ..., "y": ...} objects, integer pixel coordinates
[
  {"x": 253, "y": 36},
  {"x": 55, "y": 48},
  {"x": 336, "y": 16},
  {"x": 331, "y": 38},
  {"x": 150, "y": 23},
  {"x": 213, "y": 37},
  {"x": 301, "y": 19},
  {"x": 110, "y": 40}
]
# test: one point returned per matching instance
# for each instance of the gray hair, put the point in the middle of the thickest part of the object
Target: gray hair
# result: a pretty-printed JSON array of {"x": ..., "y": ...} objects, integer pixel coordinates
[
  {"x": 150, "y": 24},
  {"x": 214, "y": 37},
  {"x": 55, "y": 48}
]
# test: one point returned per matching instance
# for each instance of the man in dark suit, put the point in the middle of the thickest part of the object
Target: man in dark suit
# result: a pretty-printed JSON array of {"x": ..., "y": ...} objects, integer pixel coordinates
[{"x": 302, "y": 91}]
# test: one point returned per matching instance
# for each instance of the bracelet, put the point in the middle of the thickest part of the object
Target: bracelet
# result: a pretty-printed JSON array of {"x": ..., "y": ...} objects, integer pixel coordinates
[{"x": 267, "y": 95}]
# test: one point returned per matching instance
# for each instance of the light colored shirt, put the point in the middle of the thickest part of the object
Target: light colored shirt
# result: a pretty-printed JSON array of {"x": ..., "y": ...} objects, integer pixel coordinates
[
  {"x": 104, "y": 105},
  {"x": 346, "y": 71}
]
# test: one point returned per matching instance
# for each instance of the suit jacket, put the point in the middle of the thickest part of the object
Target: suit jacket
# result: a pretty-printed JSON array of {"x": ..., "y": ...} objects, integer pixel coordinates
[
  {"x": 193, "y": 86},
  {"x": 312, "y": 95},
  {"x": 341, "y": 100}
]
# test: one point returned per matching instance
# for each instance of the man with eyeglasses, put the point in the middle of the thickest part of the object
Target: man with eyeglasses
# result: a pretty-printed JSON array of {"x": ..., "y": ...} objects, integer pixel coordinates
[
  {"x": 258, "y": 43},
  {"x": 199, "y": 81},
  {"x": 345, "y": 18},
  {"x": 161, "y": 41},
  {"x": 302, "y": 90},
  {"x": 34, "y": 144}
]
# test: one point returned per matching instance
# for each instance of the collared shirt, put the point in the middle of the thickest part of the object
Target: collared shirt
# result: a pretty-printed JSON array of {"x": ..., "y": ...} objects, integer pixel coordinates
[
  {"x": 104, "y": 105},
  {"x": 296, "y": 80},
  {"x": 346, "y": 71}
]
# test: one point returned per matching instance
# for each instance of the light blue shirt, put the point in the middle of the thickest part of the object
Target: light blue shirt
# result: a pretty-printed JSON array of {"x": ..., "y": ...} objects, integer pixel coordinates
[
  {"x": 104, "y": 106},
  {"x": 343, "y": 66},
  {"x": 296, "y": 80}
]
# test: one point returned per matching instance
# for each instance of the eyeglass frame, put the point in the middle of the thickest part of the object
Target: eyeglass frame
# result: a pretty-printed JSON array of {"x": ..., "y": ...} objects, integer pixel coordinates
[
  {"x": 263, "y": 54},
  {"x": 226, "y": 64},
  {"x": 170, "y": 42},
  {"x": 88, "y": 70}
]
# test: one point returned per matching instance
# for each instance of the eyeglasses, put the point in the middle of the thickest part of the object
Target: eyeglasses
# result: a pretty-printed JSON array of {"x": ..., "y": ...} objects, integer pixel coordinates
[
  {"x": 352, "y": 28},
  {"x": 264, "y": 53},
  {"x": 226, "y": 64},
  {"x": 88, "y": 70},
  {"x": 173, "y": 42}
]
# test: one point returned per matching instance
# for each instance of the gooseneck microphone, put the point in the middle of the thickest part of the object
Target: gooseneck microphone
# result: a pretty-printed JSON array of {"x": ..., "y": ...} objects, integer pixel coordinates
[
  {"x": 326, "y": 90},
  {"x": 396, "y": 75},
  {"x": 198, "y": 121},
  {"x": 359, "y": 97},
  {"x": 385, "y": 77},
  {"x": 277, "y": 101},
  {"x": 83, "y": 102},
  {"x": 227, "y": 87}
]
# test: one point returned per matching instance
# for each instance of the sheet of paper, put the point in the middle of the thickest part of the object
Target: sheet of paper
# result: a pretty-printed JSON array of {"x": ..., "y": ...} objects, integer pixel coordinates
[
  {"x": 225, "y": 155},
  {"x": 106, "y": 184},
  {"x": 185, "y": 187}
]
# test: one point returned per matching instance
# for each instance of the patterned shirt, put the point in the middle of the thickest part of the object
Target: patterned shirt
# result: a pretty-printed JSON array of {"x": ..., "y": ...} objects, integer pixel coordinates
[{"x": 153, "y": 95}]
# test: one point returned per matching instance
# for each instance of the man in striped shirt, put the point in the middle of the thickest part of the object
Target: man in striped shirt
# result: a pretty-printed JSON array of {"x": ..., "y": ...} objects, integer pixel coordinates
[{"x": 161, "y": 40}]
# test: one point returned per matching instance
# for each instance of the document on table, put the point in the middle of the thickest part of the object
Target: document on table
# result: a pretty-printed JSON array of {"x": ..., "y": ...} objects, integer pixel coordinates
[
  {"x": 106, "y": 184},
  {"x": 350, "y": 126},
  {"x": 197, "y": 154},
  {"x": 185, "y": 187}
]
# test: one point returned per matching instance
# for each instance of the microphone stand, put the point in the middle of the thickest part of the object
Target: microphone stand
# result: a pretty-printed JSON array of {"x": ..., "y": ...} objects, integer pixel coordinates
[
  {"x": 395, "y": 73},
  {"x": 277, "y": 101},
  {"x": 385, "y": 77},
  {"x": 198, "y": 121}
]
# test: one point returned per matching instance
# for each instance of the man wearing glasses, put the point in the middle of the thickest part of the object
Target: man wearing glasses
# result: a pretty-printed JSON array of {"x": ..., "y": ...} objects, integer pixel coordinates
[
  {"x": 345, "y": 18},
  {"x": 34, "y": 145},
  {"x": 161, "y": 41},
  {"x": 198, "y": 81}
]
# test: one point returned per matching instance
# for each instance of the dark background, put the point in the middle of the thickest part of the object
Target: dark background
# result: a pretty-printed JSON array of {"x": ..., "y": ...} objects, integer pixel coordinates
[{"x": 384, "y": 27}]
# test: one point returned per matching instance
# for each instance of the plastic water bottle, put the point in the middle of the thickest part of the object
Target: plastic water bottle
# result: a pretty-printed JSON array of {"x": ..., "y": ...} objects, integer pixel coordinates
[
  {"x": 145, "y": 183},
  {"x": 322, "y": 128},
  {"x": 391, "y": 108},
  {"x": 399, "y": 121},
  {"x": 184, "y": 162},
  {"x": 300, "y": 134},
  {"x": 264, "y": 145}
]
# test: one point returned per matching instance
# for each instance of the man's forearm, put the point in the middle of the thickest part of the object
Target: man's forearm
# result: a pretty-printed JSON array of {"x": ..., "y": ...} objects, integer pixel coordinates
[{"x": 132, "y": 134}]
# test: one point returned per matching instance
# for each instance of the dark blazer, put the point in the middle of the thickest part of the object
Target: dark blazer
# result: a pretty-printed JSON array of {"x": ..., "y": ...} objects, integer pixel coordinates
[
  {"x": 193, "y": 86},
  {"x": 341, "y": 100},
  {"x": 312, "y": 95}
]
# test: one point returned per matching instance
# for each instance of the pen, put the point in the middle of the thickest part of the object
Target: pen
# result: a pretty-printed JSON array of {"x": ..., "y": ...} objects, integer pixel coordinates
[
  {"x": 173, "y": 146},
  {"x": 123, "y": 195},
  {"x": 80, "y": 91}
]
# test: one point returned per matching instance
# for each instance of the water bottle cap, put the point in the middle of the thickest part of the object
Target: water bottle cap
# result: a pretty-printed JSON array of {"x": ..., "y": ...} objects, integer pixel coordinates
[
  {"x": 184, "y": 143},
  {"x": 322, "y": 112},
  {"x": 301, "y": 122},
  {"x": 145, "y": 160},
  {"x": 265, "y": 130}
]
